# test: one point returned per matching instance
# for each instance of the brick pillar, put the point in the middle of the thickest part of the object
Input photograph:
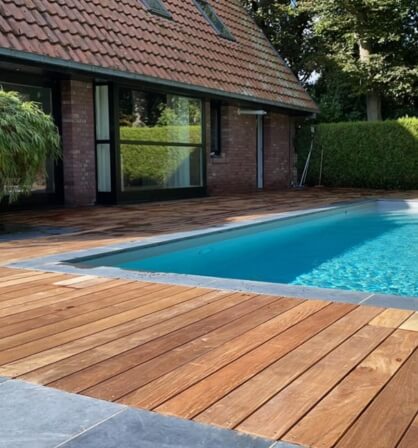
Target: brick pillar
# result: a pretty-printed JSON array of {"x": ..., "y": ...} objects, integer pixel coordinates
[
  {"x": 79, "y": 160},
  {"x": 235, "y": 171},
  {"x": 278, "y": 151}
]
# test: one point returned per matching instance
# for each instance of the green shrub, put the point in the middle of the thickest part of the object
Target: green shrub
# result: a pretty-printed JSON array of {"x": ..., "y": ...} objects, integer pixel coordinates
[
  {"x": 362, "y": 154},
  {"x": 27, "y": 138}
]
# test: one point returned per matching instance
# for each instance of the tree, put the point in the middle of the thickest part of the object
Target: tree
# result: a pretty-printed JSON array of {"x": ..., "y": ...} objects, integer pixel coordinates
[
  {"x": 28, "y": 137},
  {"x": 360, "y": 50},
  {"x": 375, "y": 42}
]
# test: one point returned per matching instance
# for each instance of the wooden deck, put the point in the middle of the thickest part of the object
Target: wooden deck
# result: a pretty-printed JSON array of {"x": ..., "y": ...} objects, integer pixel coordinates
[{"x": 312, "y": 373}]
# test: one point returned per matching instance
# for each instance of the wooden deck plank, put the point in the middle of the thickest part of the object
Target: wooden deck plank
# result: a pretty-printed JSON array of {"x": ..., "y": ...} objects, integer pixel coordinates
[
  {"x": 409, "y": 440},
  {"x": 169, "y": 385},
  {"x": 125, "y": 372},
  {"x": 285, "y": 409},
  {"x": 391, "y": 318},
  {"x": 246, "y": 399},
  {"x": 411, "y": 324},
  {"x": 391, "y": 413},
  {"x": 78, "y": 339},
  {"x": 332, "y": 417},
  {"x": 54, "y": 314},
  {"x": 142, "y": 340},
  {"x": 87, "y": 314},
  {"x": 214, "y": 387},
  {"x": 150, "y": 326},
  {"x": 33, "y": 279},
  {"x": 49, "y": 302}
]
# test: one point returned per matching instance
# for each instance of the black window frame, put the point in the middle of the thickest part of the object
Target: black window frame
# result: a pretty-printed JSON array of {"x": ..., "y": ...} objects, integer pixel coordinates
[
  {"x": 213, "y": 19},
  {"x": 160, "y": 10},
  {"x": 215, "y": 128}
]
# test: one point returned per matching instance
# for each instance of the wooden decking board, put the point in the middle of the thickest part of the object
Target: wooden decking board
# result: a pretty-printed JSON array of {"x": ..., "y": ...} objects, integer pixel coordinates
[
  {"x": 181, "y": 345},
  {"x": 214, "y": 387},
  {"x": 285, "y": 409},
  {"x": 331, "y": 417},
  {"x": 409, "y": 440},
  {"x": 48, "y": 303},
  {"x": 89, "y": 313},
  {"x": 391, "y": 318},
  {"x": 128, "y": 335},
  {"x": 102, "y": 367},
  {"x": 82, "y": 338},
  {"x": 119, "y": 385},
  {"x": 171, "y": 384},
  {"x": 43, "y": 279},
  {"x": 100, "y": 300},
  {"x": 238, "y": 405},
  {"x": 411, "y": 324},
  {"x": 390, "y": 414}
]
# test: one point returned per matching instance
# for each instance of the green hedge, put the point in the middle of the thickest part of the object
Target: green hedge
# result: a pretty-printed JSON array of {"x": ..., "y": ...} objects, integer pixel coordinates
[
  {"x": 362, "y": 154},
  {"x": 145, "y": 165}
]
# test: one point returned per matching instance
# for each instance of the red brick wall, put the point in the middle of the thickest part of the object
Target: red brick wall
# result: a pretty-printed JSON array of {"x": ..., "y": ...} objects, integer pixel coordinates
[
  {"x": 79, "y": 158},
  {"x": 278, "y": 151},
  {"x": 236, "y": 170}
]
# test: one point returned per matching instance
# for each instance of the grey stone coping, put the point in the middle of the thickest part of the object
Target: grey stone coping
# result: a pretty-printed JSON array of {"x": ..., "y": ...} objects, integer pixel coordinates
[
  {"x": 62, "y": 263},
  {"x": 40, "y": 417}
]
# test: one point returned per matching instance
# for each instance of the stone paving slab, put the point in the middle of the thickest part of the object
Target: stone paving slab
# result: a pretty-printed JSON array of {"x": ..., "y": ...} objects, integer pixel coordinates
[
  {"x": 35, "y": 416},
  {"x": 143, "y": 429},
  {"x": 38, "y": 417},
  {"x": 3, "y": 379}
]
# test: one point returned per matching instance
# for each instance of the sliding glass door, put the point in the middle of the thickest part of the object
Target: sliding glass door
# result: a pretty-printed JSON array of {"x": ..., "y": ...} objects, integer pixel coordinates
[{"x": 161, "y": 144}]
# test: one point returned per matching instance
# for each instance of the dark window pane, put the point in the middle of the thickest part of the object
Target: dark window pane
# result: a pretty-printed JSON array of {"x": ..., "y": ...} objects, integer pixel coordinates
[{"x": 153, "y": 117}]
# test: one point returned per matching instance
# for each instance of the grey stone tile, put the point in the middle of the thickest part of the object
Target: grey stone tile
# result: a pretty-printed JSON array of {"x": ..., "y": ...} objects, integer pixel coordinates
[
  {"x": 3, "y": 379},
  {"x": 388, "y": 301},
  {"x": 286, "y": 445},
  {"x": 143, "y": 429},
  {"x": 39, "y": 417}
]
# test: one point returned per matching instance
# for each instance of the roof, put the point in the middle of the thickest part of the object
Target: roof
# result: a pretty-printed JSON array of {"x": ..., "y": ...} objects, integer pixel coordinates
[{"x": 123, "y": 36}]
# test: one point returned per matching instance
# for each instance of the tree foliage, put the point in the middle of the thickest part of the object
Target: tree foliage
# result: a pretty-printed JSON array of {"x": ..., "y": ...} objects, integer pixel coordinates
[
  {"x": 356, "y": 48},
  {"x": 27, "y": 138}
]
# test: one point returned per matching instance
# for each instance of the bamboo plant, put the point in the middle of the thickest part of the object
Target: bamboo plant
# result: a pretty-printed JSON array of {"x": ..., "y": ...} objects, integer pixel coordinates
[{"x": 28, "y": 137}]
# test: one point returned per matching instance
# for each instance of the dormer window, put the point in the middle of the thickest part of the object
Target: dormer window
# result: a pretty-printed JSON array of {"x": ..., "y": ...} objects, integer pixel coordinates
[
  {"x": 157, "y": 7},
  {"x": 213, "y": 19}
]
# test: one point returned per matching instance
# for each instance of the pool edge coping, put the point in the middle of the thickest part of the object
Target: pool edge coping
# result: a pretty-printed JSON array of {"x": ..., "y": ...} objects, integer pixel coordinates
[{"x": 64, "y": 263}]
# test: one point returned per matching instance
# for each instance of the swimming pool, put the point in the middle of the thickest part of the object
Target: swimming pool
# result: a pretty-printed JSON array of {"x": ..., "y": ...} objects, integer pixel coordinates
[{"x": 370, "y": 247}]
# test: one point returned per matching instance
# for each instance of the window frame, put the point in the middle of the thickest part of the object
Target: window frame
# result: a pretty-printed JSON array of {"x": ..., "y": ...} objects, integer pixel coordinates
[{"x": 224, "y": 32}]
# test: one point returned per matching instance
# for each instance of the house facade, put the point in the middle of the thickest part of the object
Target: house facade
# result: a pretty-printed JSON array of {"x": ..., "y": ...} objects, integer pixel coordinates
[{"x": 154, "y": 99}]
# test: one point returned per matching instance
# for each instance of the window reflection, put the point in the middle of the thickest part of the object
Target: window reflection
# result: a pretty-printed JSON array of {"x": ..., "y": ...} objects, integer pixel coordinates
[{"x": 161, "y": 141}]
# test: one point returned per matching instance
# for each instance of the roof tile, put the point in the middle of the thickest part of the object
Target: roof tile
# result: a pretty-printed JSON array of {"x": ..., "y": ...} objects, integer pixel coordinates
[{"x": 123, "y": 35}]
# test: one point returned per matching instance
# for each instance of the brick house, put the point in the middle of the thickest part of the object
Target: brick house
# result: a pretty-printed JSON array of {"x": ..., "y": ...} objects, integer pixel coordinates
[{"x": 154, "y": 99}]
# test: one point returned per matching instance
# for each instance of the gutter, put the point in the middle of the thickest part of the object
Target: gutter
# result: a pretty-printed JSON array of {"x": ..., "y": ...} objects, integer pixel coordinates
[{"x": 24, "y": 56}]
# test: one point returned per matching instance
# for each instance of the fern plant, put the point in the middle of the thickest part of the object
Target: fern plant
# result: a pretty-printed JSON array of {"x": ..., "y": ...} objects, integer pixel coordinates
[{"x": 28, "y": 137}]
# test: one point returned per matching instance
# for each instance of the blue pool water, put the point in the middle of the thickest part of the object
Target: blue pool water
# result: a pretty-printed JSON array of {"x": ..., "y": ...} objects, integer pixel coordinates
[{"x": 372, "y": 248}]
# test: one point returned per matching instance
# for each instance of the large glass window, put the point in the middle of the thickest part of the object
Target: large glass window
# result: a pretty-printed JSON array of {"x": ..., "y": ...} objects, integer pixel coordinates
[
  {"x": 161, "y": 141},
  {"x": 45, "y": 180}
]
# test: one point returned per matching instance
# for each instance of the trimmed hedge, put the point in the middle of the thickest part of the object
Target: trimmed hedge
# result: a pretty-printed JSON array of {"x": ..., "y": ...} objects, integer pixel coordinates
[{"x": 362, "y": 154}]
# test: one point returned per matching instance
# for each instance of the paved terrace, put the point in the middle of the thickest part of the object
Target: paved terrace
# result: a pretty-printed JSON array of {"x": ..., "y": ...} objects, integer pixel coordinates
[{"x": 304, "y": 372}]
